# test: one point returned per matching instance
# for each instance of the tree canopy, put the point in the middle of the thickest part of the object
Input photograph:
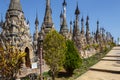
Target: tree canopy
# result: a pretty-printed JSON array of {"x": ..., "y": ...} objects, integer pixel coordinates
[
  {"x": 73, "y": 59},
  {"x": 10, "y": 63},
  {"x": 54, "y": 51}
]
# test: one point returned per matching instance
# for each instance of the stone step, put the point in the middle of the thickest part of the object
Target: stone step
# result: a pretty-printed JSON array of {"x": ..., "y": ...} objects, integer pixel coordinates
[
  {"x": 107, "y": 65},
  {"x": 112, "y": 56},
  {"x": 109, "y": 60},
  {"x": 104, "y": 70},
  {"x": 98, "y": 75}
]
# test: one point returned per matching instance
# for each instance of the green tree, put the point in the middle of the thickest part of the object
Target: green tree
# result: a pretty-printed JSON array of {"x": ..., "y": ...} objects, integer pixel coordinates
[
  {"x": 73, "y": 60},
  {"x": 10, "y": 62},
  {"x": 95, "y": 46},
  {"x": 54, "y": 51}
]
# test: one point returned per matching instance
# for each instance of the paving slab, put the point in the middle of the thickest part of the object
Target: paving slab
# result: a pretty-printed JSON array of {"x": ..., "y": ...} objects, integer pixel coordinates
[
  {"x": 116, "y": 48},
  {"x": 106, "y": 69},
  {"x": 113, "y": 53},
  {"x": 111, "y": 58},
  {"x": 95, "y": 75},
  {"x": 107, "y": 65}
]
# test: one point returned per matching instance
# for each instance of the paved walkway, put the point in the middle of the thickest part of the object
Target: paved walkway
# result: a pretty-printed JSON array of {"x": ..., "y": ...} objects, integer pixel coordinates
[{"x": 107, "y": 69}]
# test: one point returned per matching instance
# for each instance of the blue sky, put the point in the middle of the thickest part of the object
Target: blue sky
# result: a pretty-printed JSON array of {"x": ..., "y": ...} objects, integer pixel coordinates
[{"x": 106, "y": 11}]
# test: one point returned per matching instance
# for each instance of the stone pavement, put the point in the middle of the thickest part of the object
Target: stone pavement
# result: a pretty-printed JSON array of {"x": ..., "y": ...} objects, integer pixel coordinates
[{"x": 107, "y": 69}]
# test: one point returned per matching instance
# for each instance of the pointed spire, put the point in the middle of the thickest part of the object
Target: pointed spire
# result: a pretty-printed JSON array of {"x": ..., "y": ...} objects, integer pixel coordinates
[
  {"x": 61, "y": 18},
  {"x": 36, "y": 28},
  {"x": 87, "y": 21},
  {"x": 1, "y": 19},
  {"x": 97, "y": 22},
  {"x": 70, "y": 22},
  {"x": 15, "y": 5},
  {"x": 64, "y": 8},
  {"x": 97, "y": 34},
  {"x": 82, "y": 24},
  {"x": 64, "y": 3},
  {"x": 70, "y": 26},
  {"x": 64, "y": 28},
  {"x": 87, "y": 30},
  {"x": 64, "y": 22},
  {"x": 47, "y": 24},
  {"x": 82, "y": 20},
  {"x": 87, "y": 18},
  {"x": 1, "y": 22},
  {"x": 28, "y": 22},
  {"x": 97, "y": 27},
  {"x": 77, "y": 11},
  {"x": 48, "y": 2},
  {"x": 48, "y": 14},
  {"x": 36, "y": 21}
]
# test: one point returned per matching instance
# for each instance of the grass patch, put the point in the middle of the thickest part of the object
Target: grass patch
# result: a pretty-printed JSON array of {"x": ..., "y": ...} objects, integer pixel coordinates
[{"x": 88, "y": 62}]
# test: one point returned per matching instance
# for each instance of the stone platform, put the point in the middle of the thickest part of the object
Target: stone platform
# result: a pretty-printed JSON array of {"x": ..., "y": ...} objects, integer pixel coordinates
[{"x": 107, "y": 69}]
